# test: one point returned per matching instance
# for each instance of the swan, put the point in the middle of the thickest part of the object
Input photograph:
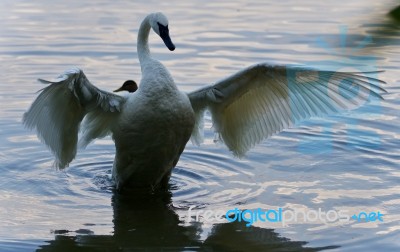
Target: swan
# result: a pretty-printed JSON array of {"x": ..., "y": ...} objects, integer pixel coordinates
[{"x": 152, "y": 125}]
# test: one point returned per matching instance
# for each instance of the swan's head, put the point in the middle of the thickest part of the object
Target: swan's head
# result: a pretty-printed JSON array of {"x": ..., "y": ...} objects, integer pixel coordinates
[
  {"x": 129, "y": 86},
  {"x": 159, "y": 23}
]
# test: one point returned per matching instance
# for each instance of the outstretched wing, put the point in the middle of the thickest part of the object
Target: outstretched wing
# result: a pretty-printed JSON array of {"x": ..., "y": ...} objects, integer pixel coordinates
[
  {"x": 262, "y": 100},
  {"x": 57, "y": 112}
]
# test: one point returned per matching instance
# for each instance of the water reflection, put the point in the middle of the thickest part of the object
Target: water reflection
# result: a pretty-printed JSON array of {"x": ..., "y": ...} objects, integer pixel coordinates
[
  {"x": 395, "y": 13},
  {"x": 143, "y": 222},
  {"x": 365, "y": 39}
]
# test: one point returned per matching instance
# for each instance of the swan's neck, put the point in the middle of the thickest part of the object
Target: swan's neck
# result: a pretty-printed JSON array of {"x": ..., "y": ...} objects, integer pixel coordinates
[{"x": 143, "y": 40}]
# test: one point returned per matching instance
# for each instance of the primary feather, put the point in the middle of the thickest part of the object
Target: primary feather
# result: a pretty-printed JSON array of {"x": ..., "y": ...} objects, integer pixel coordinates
[
  {"x": 57, "y": 112},
  {"x": 262, "y": 100}
]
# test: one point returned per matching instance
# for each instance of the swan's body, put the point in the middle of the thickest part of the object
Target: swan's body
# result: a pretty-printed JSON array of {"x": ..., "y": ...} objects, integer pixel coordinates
[
  {"x": 152, "y": 125},
  {"x": 150, "y": 138}
]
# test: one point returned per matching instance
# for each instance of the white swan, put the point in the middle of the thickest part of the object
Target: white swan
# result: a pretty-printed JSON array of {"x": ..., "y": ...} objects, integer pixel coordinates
[{"x": 151, "y": 126}]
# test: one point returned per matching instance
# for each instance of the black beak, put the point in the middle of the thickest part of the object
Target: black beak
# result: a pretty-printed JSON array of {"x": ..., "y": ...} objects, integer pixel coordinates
[
  {"x": 164, "y": 34},
  {"x": 168, "y": 43}
]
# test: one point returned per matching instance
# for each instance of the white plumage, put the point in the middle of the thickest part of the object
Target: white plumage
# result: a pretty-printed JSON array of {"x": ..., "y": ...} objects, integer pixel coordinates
[
  {"x": 262, "y": 100},
  {"x": 151, "y": 126}
]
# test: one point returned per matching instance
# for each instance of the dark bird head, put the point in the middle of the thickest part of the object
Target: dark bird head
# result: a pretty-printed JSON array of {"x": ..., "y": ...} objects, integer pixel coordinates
[{"x": 129, "y": 86}]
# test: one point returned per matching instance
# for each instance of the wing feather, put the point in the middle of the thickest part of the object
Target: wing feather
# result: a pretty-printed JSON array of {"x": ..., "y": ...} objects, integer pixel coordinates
[
  {"x": 262, "y": 100},
  {"x": 57, "y": 112}
]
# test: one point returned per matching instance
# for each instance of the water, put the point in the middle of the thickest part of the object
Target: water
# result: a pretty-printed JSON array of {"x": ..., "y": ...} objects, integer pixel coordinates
[{"x": 346, "y": 162}]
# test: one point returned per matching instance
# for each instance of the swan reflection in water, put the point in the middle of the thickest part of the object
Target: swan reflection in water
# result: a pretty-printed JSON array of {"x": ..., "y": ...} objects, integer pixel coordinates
[{"x": 143, "y": 222}]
